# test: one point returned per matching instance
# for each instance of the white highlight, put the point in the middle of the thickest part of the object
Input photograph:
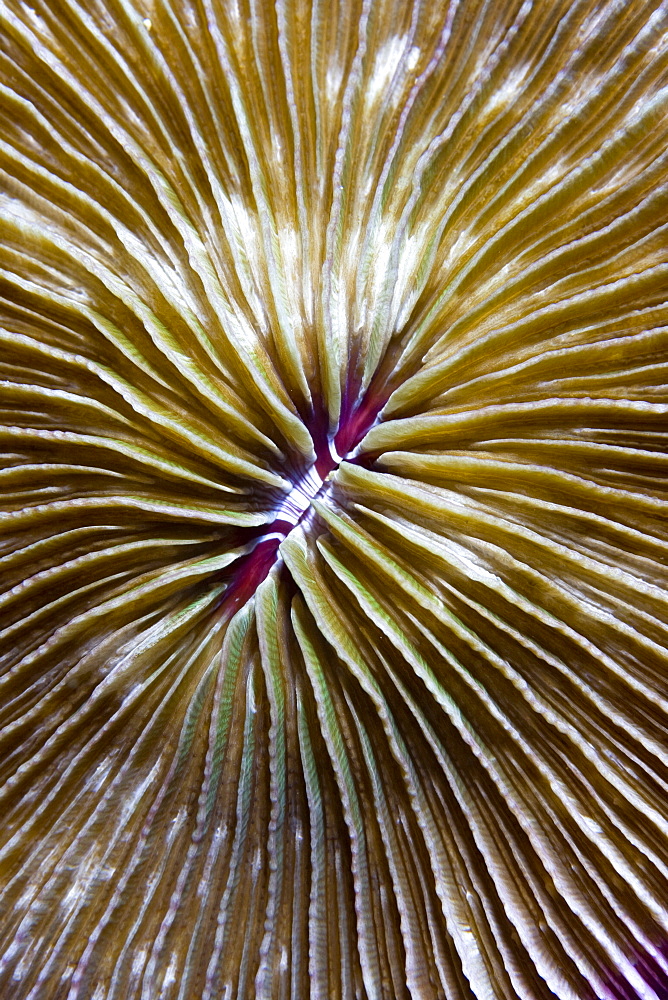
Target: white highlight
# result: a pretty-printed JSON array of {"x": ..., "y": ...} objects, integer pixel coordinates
[
  {"x": 138, "y": 962},
  {"x": 385, "y": 65},
  {"x": 170, "y": 974},
  {"x": 413, "y": 57},
  {"x": 509, "y": 90},
  {"x": 299, "y": 497},
  {"x": 333, "y": 82},
  {"x": 334, "y": 453}
]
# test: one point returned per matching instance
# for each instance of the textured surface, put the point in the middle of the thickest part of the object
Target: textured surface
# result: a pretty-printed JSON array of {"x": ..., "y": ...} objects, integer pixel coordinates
[{"x": 420, "y": 749}]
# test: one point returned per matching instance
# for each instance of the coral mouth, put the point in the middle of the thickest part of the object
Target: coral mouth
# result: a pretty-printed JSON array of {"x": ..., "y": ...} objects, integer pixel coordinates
[{"x": 295, "y": 509}]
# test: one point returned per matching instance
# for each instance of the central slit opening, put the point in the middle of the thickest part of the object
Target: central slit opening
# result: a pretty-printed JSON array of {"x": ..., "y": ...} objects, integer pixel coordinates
[
  {"x": 253, "y": 568},
  {"x": 293, "y": 508}
]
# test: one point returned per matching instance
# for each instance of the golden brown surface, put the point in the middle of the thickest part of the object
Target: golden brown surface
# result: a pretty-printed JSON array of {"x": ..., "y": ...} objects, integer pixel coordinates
[{"x": 409, "y": 739}]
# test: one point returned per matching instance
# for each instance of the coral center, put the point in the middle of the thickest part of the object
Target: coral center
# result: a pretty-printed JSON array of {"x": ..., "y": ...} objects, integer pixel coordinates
[
  {"x": 294, "y": 508},
  {"x": 298, "y": 500}
]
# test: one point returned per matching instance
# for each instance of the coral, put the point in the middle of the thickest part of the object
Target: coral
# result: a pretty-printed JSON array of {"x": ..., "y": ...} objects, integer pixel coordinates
[{"x": 334, "y": 547}]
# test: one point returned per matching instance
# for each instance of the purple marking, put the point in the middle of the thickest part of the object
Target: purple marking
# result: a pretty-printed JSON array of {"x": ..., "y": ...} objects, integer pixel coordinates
[
  {"x": 654, "y": 972},
  {"x": 251, "y": 569}
]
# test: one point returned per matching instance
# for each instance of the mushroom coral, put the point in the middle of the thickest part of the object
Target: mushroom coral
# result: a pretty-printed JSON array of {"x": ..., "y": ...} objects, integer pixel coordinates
[{"x": 335, "y": 531}]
